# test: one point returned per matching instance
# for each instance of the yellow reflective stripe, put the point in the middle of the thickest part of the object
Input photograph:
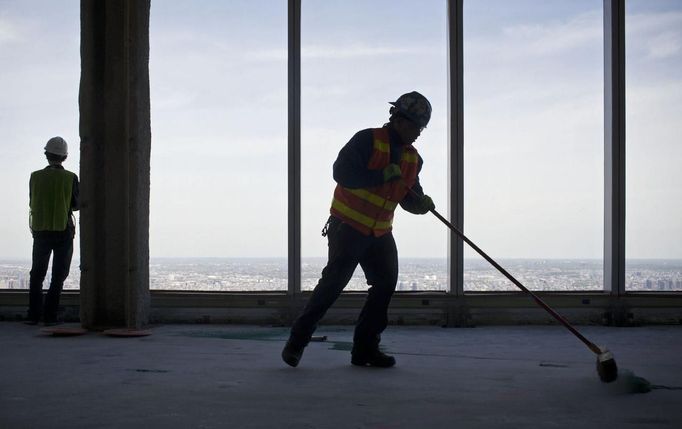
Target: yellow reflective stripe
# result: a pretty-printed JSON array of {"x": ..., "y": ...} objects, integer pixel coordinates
[
  {"x": 352, "y": 214},
  {"x": 381, "y": 146},
  {"x": 373, "y": 198},
  {"x": 383, "y": 225},
  {"x": 390, "y": 205},
  {"x": 359, "y": 217},
  {"x": 410, "y": 157}
]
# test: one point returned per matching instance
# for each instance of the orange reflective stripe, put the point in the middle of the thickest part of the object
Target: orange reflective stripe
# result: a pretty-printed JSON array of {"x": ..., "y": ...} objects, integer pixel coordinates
[
  {"x": 381, "y": 142},
  {"x": 381, "y": 149}
]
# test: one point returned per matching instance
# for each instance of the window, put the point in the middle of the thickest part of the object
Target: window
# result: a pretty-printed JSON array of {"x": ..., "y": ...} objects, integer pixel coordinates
[
  {"x": 653, "y": 32},
  {"x": 356, "y": 57},
  {"x": 533, "y": 133},
  {"x": 218, "y": 73},
  {"x": 39, "y": 78}
]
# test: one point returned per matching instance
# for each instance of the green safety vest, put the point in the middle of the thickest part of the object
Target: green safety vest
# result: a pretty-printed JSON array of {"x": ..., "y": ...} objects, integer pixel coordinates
[{"x": 51, "y": 191}]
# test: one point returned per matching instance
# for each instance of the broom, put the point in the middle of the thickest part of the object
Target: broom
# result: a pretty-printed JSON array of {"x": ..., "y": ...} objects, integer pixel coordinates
[{"x": 606, "y": 364}]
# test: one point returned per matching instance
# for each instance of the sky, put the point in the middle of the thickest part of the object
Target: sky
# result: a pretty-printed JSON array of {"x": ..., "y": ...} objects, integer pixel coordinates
[{"x": 533, "y": 120}]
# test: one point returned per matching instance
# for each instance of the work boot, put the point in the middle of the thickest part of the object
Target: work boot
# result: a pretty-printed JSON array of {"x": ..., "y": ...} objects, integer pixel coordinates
[
  {"x": 291, "y": 354},
  {"x": 32, "y": 318},
  {"x": 371, "y": 357},
  {"x": 51, "y": 321}
]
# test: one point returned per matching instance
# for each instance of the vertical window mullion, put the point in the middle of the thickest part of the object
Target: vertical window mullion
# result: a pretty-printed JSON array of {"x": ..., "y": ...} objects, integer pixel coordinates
[
  {"x": 455, "y": 146},
  {"x": 294, "y": 147},
  {"x": 614, "y": 146}
]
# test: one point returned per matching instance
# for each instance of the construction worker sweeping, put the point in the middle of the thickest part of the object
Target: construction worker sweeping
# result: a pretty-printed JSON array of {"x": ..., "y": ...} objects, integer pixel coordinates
[
  {"x": 375, "y": 172},
  {"x": 53, "y": 196}
]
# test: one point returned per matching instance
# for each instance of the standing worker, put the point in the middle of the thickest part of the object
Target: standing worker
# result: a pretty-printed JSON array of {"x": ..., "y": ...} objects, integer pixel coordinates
[
  {"x": 53, "y": 196},
  {"x": 374, "y": 172}
]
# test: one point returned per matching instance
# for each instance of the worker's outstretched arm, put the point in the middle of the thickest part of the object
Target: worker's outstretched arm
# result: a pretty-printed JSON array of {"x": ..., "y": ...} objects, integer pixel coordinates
[{"x": 415, "y": 200}]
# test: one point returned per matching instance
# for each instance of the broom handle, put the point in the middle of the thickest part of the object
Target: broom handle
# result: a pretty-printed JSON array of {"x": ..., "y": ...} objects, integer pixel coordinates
[{"x": 537, "y": 299}]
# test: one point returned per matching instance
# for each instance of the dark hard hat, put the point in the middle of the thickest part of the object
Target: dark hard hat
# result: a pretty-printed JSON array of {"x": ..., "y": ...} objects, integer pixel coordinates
[{"x": 414, "y": 106}]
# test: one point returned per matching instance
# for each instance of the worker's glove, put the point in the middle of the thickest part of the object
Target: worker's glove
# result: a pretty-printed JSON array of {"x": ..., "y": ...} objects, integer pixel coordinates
[
  {"x": 392, "y": 172},
  {"x": 425, "y": 205}
]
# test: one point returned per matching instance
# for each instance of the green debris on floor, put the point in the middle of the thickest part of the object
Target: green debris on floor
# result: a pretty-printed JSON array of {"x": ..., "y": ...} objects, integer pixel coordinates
[
  {"x": 345, "y": 346},
  {"x": 253, "y": 335}
]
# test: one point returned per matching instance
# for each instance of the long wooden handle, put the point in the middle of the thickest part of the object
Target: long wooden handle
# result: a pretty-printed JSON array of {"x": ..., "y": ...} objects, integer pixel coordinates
[{"x": 537, "y": 299}]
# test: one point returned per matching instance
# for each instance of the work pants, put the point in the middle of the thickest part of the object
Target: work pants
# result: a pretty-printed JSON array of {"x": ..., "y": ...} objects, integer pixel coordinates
[
  {"x": 378, "y": 258},
  {"x": 43, "y": 246}
]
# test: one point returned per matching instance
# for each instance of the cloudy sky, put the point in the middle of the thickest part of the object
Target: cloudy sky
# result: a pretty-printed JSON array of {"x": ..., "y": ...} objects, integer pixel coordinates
[{"x": 533, "y": 119}]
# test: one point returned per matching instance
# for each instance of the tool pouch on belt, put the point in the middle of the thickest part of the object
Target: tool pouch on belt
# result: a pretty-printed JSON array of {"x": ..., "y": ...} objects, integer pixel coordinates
[
  {"x": 325, "y": 228},
  {"x": 332, "y": 225}
]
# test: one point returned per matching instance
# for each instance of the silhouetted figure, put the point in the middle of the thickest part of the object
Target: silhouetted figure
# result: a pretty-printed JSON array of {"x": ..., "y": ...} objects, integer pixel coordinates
[
  {"x": 53, "y": 196},
  {"x": 374, "y": 172}
]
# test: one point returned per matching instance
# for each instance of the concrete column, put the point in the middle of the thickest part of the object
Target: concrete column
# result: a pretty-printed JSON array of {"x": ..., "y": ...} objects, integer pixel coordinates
[{"x": 115, "y": 150}]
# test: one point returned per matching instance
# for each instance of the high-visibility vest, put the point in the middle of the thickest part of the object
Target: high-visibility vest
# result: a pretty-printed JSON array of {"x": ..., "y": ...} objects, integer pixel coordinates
[
  {"x": 370, "y": 210},
  {"x": 51, "y": 190}
]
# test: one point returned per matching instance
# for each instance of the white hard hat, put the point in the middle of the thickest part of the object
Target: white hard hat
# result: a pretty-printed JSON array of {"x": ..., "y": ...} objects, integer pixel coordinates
[{"x": 57, "y": 146}]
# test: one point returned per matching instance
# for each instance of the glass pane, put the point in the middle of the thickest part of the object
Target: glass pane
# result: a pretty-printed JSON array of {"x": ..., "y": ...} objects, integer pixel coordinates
[
  {"x": 533, "y": 132},
  {"x": 653, "y": 249},
  {"x": 356, "y": 57},
  {"x": 218, "y": 76},
  {"x": 39, "y": 78}
]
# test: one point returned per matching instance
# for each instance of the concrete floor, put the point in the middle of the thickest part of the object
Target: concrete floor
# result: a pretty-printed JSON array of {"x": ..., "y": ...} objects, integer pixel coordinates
[{"x": 212, "y": 376}]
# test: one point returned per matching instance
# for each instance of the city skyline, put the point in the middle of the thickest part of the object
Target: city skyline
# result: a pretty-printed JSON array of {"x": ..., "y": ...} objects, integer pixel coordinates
[{"x": 416, "y": 274}]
